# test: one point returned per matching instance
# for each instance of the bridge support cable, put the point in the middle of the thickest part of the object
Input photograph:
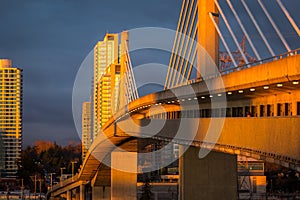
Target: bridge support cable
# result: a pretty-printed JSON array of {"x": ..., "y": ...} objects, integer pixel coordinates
[
  {"x": 177, "y": 43},
  {"x": 127, "y": 85},
  {"x": 223, "y": 40},
  {"x": 243, "y": 29},
  {"x": 131, "y": 92},
  {"x": 184, "y": 78},
  {"x": 173, "y": 48},
  {"x": 183, "y": 43},
  {"x": 258, "y": 28},
  {"x": 231, "y": 31},
  {"x": 287, "y": 14},
  {"x": 127, "y": 98},
  {"x": 127, "y": 88},
  {"x": 274, "y": 26},
  {"x": 188, "y": 45},
  {"x": 133, "y": 83},
  {"x": 191, "y": 66}
]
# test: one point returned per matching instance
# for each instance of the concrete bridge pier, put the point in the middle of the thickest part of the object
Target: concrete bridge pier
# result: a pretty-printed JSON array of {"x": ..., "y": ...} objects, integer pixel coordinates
[
  {"x": 80, "y": 192},
  {"x": 213, "y": 177},
  {"x": 124, "y": 175},
  {"x": 100, "y": 184},
  {"x": 69, "y": 195}
]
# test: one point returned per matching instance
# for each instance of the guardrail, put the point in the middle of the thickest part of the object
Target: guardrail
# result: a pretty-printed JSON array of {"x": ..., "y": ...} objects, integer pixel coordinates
[
  {"x": 271, "y": 59},
  {"x": 246, "y": 66},
  {"x": 65, "y": 182}
]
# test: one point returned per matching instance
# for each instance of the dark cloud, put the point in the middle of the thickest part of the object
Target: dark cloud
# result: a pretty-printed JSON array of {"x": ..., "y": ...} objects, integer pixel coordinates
[{"x": 50, "y": 39}]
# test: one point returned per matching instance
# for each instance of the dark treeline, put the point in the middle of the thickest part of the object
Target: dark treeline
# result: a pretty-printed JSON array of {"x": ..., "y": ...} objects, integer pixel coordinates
[
  {"x": 45, "y": 158},
  {"x": 281, "y": 179}
]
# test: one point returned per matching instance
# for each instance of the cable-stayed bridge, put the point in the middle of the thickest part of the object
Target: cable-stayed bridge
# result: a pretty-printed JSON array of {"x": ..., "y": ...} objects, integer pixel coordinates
[{"x": 248, "y": 107}]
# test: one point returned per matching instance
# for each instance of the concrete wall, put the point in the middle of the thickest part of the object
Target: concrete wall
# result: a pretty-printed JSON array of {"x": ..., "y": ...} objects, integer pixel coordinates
[
  {"x": 278, "y": 135},
  {"x": 212, "y": 177},
  {"x": 123, "y": 183}
]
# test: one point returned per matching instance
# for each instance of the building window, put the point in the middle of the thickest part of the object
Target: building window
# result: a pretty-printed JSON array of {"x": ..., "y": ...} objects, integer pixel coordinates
[
  {"x": 247, "y": 111},
  {"x": 279, "y": 110},
  {"x": 228, "y": 112},
  {"x": 270, "y": 110},
  {"x": 237, "y": 112},
  {"x": 262, "y": 111},
  {"x": 254, "y": 111},
  {"x": 287, "y": 109}
]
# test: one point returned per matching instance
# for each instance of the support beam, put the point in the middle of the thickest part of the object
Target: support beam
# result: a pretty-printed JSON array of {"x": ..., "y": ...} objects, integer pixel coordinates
[
  {"x": 123, "y": 60},
  {"x": 123, "y": 183},
  {"x": 207, "y": 38},
  {"x": 294, "y": 107},
  {"x": 82, "y": 192},
  {"x": 77, "y": 194},
  {"x": 69, "y": 195},
  {"x": 213, "y": 177}
]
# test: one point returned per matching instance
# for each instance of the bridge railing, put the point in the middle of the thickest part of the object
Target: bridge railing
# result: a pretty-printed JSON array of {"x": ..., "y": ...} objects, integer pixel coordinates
[
  {"x": 65, "y": 182},
  {"x": 267, "y": 60},
  {"x": 246, "y": 66}
]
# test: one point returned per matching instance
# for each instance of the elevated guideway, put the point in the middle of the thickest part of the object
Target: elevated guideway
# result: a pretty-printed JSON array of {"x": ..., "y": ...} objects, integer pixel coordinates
[
  {"x": 273, "y": 139},
  {"x": 276, "y": 139}
]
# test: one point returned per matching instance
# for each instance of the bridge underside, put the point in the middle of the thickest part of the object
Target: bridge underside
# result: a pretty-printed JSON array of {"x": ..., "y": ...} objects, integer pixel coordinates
[
  {"x": 273, "y": 139},
  {"x": 276, "y": 140}
]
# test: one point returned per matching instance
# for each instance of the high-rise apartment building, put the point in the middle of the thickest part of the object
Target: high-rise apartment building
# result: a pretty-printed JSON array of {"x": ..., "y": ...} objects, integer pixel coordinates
[
  {"x": 2, "y": 155},
  {"x": 106, "y": 52},
  {"x": 10, "y": 117},
  {"x": 110, "y": 66},
  {"x": 109, "y": 93},
  {"x": 86, "y": 128}
]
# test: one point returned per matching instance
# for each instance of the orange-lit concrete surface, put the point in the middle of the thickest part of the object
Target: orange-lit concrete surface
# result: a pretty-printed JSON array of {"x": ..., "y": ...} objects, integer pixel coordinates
[
  {"x": 283, "y": 71},
  {"x": 276, "y": 140},
  {"x": 207, "y": 37},
  {"x": 273, "y": 139},
  {"x": 123, "y": 184}
]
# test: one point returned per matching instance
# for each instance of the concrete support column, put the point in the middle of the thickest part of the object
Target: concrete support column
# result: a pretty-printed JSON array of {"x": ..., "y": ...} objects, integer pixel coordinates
[
  {"x": 124, "y": 176},
  {"x": 258, "y": 111},
  {"x": 294, "y": 107},
  {"x": 69, "y": 195},
  {"x": 275, "y": 110},
  {"x": 155, "y": 196},
  {"x": 101, "y": 193},
  {"x": 77, "y": 194},
  {"x": 213, "y": 177},
  {"x": 208, "y": 39},
  {"x": 82, "y": 192}
]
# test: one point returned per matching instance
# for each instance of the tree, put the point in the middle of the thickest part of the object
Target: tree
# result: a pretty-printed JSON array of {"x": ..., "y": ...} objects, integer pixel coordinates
[
  {"x": 45, "y": 158},
  {"x": 146, "y": 189}
]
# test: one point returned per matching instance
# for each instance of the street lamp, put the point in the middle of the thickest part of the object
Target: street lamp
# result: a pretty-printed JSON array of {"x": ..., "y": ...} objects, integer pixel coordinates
[
  {"x": 40, "y": 181},
  {"x": 22, "y": 188},
  {"x": 34, "y": 186},
  {"x": 51, "y": 180},
  {"x": 73, "y": 162},
  {"x": 61, "y": 173}
]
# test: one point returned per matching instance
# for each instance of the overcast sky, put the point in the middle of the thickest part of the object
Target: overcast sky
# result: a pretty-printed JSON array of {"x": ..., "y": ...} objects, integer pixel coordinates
[{"x": 49, "y": 39}]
